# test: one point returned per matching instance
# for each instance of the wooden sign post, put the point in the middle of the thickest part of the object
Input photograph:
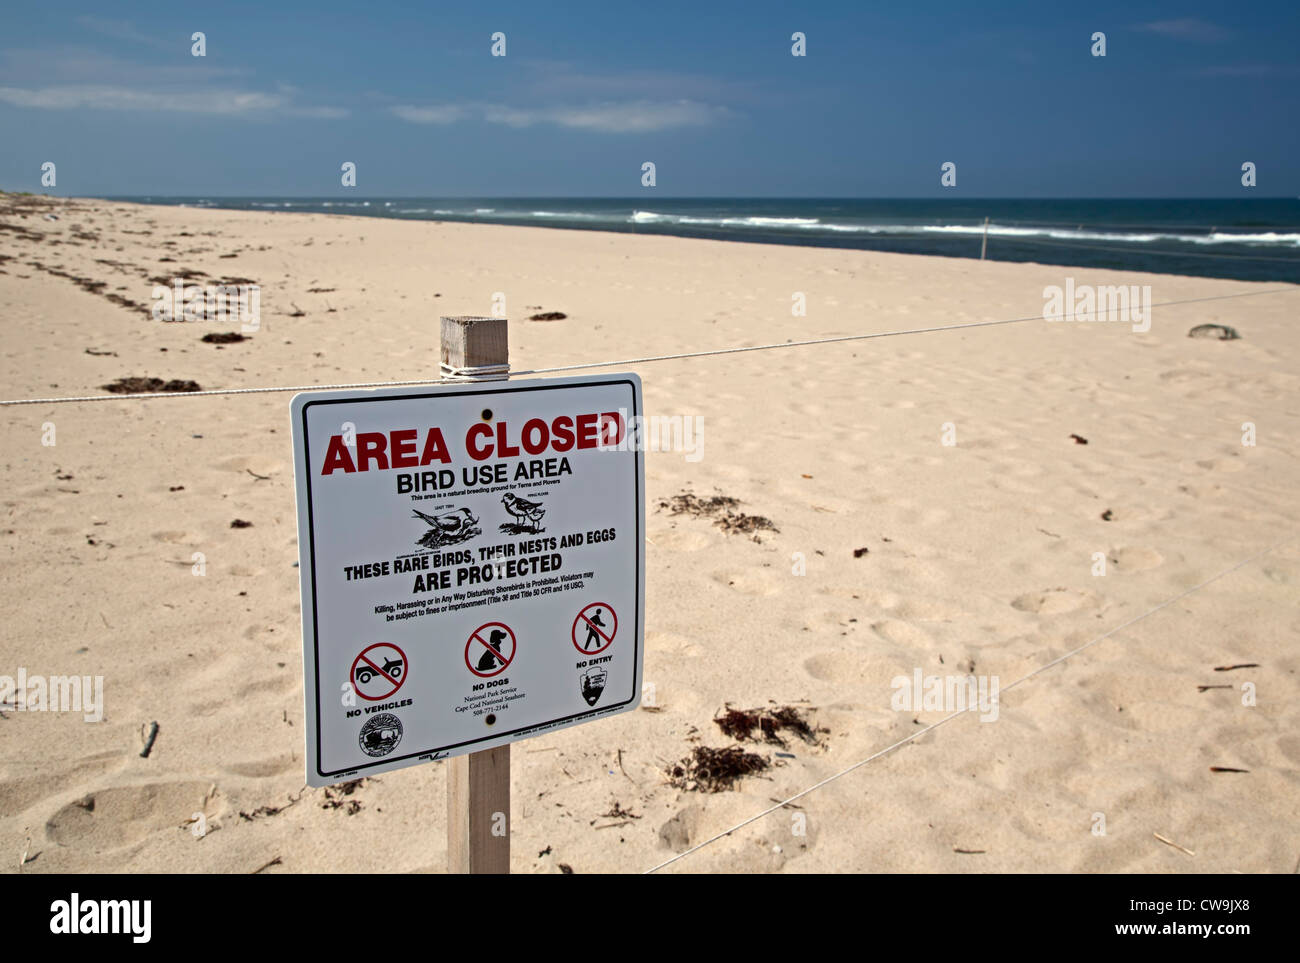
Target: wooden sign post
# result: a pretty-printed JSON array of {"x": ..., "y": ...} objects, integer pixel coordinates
[{"x": 478, "y": 784}]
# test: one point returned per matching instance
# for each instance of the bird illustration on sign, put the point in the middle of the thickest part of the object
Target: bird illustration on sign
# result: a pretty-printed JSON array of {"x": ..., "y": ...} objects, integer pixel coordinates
[
  {"x": 449, "y": 529},
  {"x": 529, "y": 515}
]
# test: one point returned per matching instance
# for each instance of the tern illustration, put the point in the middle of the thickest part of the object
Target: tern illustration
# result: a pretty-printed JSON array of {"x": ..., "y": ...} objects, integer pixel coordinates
[{"x": 457, "y": 526}]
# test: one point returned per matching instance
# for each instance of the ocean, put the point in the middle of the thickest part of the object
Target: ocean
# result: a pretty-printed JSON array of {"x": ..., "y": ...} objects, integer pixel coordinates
[{"x": 1245, "y": 239}]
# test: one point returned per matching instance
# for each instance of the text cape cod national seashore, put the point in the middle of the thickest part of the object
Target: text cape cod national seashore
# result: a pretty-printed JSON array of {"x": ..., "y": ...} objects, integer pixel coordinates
[{"x": 472, "y": 561}]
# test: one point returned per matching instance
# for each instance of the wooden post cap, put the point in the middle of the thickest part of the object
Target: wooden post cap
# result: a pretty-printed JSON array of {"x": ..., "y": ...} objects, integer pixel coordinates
[{"x": 469, "y": 342}]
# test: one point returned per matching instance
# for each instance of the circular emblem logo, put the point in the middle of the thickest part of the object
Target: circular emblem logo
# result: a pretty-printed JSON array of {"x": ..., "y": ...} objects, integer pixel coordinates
[{"x": 380, "y": 735}]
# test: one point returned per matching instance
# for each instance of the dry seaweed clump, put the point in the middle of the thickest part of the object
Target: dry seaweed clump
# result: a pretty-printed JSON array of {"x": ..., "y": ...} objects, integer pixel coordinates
[
  {"x": 136, "y": 386},
  {"x": 335, "y": 797},
  {"x": 723, "y": 509},
  {"x": 766, "y": 724},
  {"x": 713, "y": 770}
]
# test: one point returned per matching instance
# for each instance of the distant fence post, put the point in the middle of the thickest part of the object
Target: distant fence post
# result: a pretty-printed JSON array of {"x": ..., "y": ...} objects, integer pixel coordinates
[
  {"x": 985, "y": 246},
  {"x": 478, "y": 784}
]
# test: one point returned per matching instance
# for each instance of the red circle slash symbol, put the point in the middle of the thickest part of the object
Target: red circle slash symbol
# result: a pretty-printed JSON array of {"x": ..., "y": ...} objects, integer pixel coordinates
[
  {"x": 596, "y": 631},
  {"x": 378, "y": 671},
  {"x": 490, "y": 649}
]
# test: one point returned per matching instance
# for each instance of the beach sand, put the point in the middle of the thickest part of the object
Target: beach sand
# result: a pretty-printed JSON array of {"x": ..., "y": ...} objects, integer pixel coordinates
[{"x": 980, "y": 554}]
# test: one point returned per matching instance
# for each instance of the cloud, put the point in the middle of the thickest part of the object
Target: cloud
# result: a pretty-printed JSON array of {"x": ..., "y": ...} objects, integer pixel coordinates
[
  {"x": 123, "y": 30},
  {"x": 562, "y": 82},
  {"x": 447, "y": 114},
  {"x": 633, "y": 117},
  {"x": 107, "y": 97},
  {"x": 1186, "y": 28},
  {"x": 625, "y": 117},
  {"x": 73, "y": 64},
  {"x": 319, "y": 113}
]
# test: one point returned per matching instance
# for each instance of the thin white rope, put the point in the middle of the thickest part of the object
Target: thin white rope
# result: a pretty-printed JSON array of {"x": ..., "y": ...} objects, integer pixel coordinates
[
  {"x": 146, "y": 396},
  {"x": 930, "y": 728}
]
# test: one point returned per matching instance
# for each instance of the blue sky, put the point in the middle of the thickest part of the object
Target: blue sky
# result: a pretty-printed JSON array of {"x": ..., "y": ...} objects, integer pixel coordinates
[{"x": 709, "y": 92}]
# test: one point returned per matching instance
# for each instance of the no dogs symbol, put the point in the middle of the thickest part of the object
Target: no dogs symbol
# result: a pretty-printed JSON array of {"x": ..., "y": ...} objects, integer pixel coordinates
[
  {"x": 490, "y": 649},
  {"x": 596, "y": 625},
  {"x": 378, "y": 671}
]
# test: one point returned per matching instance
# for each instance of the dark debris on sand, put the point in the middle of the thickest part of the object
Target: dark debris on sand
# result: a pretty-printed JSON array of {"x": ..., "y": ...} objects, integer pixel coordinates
[
  {"x": 335, "y": 796},
  {"x": 137, "y": 386},
  {"x": 713, "y": 770},
  {"x": 548, "y": 316},
  {"x": 224, "y": 337},
  {"x": 766, "y": 724},
  {"x": 1220, "y": 332},
  {"x": 722, "y": 509}
]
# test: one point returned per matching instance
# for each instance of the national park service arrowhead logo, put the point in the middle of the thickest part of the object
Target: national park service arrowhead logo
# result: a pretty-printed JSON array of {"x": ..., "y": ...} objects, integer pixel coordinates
[{"x": 592, "y": 683}]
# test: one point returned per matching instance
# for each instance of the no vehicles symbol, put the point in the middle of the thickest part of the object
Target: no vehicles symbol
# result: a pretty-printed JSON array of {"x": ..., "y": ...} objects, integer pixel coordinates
[
  {"x": 596, "y": 625},
  {"x": 490, "y": 649},
  {"x": 378, "y": 671}
]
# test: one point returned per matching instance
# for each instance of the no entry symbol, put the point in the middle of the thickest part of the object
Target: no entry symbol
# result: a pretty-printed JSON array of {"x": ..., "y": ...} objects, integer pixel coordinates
[
  {"x": 596, "y": 625},
  {"x": 490, "y": 649},
  {"x": 378, "y": 671}
]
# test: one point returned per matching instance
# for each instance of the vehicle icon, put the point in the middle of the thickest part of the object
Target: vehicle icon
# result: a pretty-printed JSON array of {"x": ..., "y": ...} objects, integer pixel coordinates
[{"x": 392, "y": 669}]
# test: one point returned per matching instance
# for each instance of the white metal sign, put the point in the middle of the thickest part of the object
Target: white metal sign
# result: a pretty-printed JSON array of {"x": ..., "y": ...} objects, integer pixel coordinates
[{"x": 473, "y": 566}]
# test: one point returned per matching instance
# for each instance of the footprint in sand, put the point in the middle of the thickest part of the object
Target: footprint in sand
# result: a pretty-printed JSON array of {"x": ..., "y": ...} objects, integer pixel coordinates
[
  {"x": 679, "y": 539},
  {"x": 1136, "y": 559},
  {"x": 177, "y": 538},
  {"x": 108, "y": 819},
  {"x": 679, "y": 832},
  {"x": 267, "y": 634},
  {"x": 264, "y": 768},
  {"x": 834, "y": 667},
  {"x": 1222, "y": 464},
  {"x": 752, "y": 582},
  {"x": 1054, "y": 601},
  {"x": 927, "y": 610},
  {"x": 671, "y": 644},
  {"x": 19, "y": 792},
  {"x": 904, "y": 633}
]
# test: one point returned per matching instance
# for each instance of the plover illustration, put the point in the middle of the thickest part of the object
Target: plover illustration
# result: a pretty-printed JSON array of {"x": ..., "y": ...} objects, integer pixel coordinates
[{"x": 521, "y": 508}]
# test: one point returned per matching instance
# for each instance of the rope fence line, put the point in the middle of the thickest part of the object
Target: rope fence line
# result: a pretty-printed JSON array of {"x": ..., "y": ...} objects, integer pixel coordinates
[
  {"x": 961, "y": 712},
  {"x": 147, "y": 396}
]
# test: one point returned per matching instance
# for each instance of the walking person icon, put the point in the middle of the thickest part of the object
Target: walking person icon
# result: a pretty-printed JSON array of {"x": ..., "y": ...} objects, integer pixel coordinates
[
  {"x": 592, "y": 634},
  {"x": 600, "y": 633}
]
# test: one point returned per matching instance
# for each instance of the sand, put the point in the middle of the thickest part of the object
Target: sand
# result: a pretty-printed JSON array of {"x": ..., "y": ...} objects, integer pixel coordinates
[{"x": 980, "y": 554}]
